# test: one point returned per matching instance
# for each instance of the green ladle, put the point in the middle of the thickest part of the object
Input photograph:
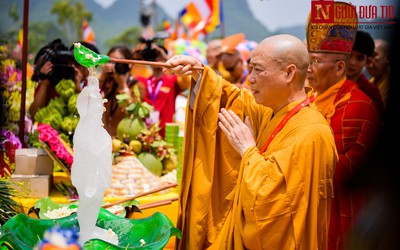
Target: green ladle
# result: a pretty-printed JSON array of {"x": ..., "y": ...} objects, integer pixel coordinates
[{"x": 89, "y": 58}]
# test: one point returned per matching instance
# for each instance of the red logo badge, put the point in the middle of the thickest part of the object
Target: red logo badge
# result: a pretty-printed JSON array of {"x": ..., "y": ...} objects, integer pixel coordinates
[{"x": 322, "y": 11}]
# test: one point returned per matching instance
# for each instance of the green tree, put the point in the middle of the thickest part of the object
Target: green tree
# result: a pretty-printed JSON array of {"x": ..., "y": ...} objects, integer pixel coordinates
[
  {"x": 11, "y": 34},
  {"x": 39, "y": 33},
  {"x": 70, "y": 15},
  {"x": 130, "y": 37},
  {"x": 13, "y": 13}
]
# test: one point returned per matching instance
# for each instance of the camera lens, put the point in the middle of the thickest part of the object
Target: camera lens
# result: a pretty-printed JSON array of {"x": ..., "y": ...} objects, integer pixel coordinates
[
  {"x": 149, "y": 54},
  {"x": 121, "y": 68},
  {"x": 60, "y": 72}
]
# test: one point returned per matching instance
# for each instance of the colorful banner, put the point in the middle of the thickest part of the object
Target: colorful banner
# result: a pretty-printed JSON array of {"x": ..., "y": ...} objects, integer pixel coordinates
[
  {"x": 20, "y": 38},
  {"x": 167, "y": 25},
  {"x": 216, "y": 15},
  {"x": 201, "y": 16},
  {"x": 88, "y": 33}
]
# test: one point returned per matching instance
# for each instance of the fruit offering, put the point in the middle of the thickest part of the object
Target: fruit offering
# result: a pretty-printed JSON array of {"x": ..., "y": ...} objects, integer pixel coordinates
[{"x": 130, "y": 177}]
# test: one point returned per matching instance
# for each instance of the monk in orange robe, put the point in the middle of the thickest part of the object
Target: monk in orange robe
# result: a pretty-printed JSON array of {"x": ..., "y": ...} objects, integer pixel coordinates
[{"x": 258, "y": 166}]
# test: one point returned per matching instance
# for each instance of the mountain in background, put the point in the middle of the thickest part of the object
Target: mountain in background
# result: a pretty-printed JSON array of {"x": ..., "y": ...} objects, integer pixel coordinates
[
  {"x": 110, "y": 22},
  {"x": 123, "y": 14}
]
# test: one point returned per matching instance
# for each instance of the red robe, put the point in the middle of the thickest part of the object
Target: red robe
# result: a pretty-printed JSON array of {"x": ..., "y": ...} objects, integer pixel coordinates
[
  {"x": 355, "y": 123},
  {"x": 372, "y": 91}
]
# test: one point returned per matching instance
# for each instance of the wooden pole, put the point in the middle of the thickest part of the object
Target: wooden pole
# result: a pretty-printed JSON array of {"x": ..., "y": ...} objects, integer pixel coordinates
[
  {"x": 140, "y": 195},
  {"x": 24, "y": 73},
  {"x": 149, "y": 63}
]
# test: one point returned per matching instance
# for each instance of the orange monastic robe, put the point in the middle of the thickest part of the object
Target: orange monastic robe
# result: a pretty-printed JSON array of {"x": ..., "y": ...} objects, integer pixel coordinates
[
  {"x": 277, "y": 200},
  {"x": 383, "y": 86}
]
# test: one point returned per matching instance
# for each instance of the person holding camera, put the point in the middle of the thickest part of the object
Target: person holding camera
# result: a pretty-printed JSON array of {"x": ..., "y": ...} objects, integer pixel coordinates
[
  {"x": 162, "y": 89},
  {"x": 115, "y": 79},
  {"x": 52, "y": 63}
]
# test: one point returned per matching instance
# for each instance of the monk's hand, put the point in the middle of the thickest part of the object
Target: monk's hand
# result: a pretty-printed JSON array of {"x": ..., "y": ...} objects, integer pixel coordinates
[
  {"x": 182, "y": 65},
  {"x": 239, "y": 134}
]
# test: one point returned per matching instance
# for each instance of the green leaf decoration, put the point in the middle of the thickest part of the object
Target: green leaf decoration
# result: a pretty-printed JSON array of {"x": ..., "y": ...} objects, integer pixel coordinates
[
  {"x": 143, "y": 112},
  {"x": 44, "y": 205},
  {"x": 122, "y": 97},
  {"x": 22, "y": 232},
  {"x": 148, "y": 106},
  {"x": 47, "y": 204},
  {"x": 136, "y": 91},
  {"x": 132, "y": 107}
]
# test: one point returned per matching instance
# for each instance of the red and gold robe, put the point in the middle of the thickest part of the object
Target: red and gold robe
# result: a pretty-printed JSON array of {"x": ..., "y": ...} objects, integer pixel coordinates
[{"x": 355, "y": 122}]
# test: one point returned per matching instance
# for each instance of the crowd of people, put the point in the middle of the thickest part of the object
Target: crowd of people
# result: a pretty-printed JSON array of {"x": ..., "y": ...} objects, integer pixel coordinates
[
  {"x": 278, "y": 140},
  {"x": 115, "y": 79},
  {"x": 158, "y": 89}
]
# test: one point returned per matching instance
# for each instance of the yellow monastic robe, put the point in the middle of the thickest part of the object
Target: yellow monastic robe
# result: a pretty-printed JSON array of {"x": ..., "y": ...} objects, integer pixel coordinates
[
  {"x": 277, "y": 200},
  {"x": 325, "y": 101},
  {"x": 222, "y": 71},
  {"x": 383, "y": 86}
]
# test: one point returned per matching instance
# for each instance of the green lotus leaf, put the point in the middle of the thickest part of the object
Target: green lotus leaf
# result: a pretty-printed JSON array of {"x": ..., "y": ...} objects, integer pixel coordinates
[
  {"x": 44, "y": 205},
  {"x": 22, "y": 232},
  {"x": 47, "y": 204}
]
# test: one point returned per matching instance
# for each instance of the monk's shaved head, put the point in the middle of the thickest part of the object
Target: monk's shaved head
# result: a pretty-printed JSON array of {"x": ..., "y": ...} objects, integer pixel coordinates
[{"x": 286, "y": 49}]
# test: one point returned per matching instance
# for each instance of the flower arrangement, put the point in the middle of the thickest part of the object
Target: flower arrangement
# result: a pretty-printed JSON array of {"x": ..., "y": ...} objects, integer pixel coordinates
[
  {"x": 9, "y": 143},
  {"x": 58, "y": 147},
  {"x": 46, "y": 137},
  {"x": 10, "y": 91}
]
